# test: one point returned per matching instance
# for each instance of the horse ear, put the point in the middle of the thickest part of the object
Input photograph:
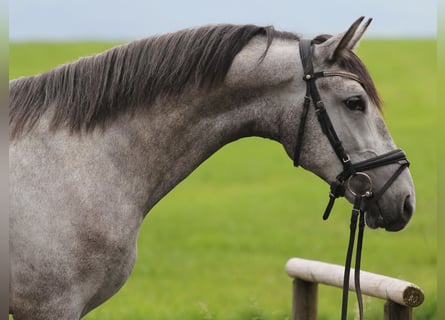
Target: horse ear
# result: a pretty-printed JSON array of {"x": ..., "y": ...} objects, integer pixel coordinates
[
  {"x": 347, "y": 40},
  {"x": 359, "y": 34}
]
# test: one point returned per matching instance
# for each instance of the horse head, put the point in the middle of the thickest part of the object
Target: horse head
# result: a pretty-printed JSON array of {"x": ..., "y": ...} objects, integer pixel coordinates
[{"x": 346, "y": 93}]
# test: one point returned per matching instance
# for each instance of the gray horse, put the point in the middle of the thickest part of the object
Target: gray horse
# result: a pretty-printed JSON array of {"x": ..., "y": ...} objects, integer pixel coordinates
[{"x": 95, "y": 144}]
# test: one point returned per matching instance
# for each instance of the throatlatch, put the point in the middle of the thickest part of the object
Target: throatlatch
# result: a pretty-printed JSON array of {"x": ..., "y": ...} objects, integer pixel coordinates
[{"x": 350, "y": 170}]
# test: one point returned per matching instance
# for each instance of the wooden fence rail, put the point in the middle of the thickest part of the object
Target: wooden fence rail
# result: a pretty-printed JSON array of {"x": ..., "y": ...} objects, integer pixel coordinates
[{"x": 401, "y": 296}]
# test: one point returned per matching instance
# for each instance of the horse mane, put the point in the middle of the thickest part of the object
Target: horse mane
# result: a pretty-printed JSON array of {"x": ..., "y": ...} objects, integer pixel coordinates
[{"x": 95, "y": 90}]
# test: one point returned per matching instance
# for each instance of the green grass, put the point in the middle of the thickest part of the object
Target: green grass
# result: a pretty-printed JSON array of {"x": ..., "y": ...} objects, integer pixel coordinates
[{"x": 216, "y": 246}]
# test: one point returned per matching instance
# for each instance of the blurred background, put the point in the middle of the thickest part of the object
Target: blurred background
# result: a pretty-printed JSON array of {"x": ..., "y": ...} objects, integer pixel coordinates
[{"x": 216, "y": 246}]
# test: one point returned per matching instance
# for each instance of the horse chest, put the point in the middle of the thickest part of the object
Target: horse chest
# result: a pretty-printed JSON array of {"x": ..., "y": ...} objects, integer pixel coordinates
[{"x": 106, "y": 269}]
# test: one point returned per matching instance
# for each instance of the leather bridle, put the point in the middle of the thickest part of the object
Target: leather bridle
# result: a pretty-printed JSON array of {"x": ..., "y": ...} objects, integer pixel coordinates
[{"x": 350, "y": 170}]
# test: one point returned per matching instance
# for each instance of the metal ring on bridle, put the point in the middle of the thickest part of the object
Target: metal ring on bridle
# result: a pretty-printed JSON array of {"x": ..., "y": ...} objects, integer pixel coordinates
[{"x": 367, "y": 193}]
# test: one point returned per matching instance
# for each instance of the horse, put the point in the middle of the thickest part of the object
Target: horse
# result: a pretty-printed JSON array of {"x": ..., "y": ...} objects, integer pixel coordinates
[{"x": 96, "y": 143}]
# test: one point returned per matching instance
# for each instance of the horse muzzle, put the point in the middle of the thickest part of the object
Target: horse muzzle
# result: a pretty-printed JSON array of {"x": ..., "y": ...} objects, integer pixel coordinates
[{"x": 393, "y": 216}]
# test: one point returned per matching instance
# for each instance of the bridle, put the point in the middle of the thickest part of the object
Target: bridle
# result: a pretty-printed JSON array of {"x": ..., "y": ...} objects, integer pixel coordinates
[{"x": 350, "y": 170}]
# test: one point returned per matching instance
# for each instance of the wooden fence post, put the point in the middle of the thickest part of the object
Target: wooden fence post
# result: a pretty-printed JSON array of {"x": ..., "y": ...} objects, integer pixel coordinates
[
  {"x": 395, "y": 311},
  {"x": 305, "y": 300}
]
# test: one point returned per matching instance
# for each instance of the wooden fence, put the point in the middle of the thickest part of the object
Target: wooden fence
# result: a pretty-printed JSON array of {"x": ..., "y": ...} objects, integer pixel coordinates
[{"x": 401, "y": 296}]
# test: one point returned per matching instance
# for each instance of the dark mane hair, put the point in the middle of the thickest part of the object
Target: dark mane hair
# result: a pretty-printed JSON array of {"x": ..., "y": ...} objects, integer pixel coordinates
[
  {"x": 94, "y": 90},
  {"x": 351, "y": 63}
]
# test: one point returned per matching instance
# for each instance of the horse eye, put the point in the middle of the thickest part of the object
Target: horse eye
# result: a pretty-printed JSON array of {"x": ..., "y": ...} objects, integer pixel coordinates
[{"x": 355, "y": 103}]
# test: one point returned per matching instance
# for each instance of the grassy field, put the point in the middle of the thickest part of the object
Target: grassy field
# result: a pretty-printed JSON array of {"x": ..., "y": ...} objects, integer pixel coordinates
[{"x": 216, "y": 246}]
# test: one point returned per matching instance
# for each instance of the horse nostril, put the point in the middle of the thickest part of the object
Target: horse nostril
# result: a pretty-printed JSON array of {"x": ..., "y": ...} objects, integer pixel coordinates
[{"x": 408, "y": 208}]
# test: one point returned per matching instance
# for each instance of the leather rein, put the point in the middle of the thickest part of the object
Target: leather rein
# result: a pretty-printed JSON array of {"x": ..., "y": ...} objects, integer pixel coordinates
[{"x": 350, "y": 170}]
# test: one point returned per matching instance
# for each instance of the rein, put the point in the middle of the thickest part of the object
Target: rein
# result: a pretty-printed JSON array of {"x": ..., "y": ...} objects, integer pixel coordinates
[{"x": 350, "y": 171}]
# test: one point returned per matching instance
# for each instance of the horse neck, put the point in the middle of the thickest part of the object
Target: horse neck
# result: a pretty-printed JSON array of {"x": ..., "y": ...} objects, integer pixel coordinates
[{"x": 163, "y": 144}]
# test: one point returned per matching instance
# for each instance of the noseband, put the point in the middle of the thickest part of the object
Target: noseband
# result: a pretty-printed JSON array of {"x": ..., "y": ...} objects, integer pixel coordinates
[{"x": 350, "y": 170}]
